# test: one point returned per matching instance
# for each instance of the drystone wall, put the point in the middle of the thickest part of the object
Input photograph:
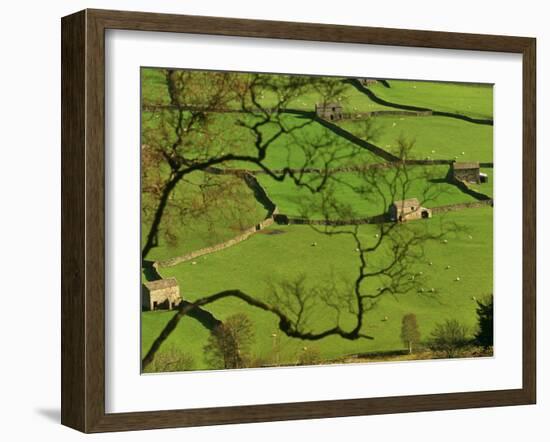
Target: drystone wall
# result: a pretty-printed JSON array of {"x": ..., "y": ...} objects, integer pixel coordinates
[
  {"x": 261, "y": 195},
  {"x": 461, "y": 206}
]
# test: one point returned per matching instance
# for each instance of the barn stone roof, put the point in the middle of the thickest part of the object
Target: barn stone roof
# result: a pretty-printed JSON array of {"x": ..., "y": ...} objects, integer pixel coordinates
[
  {"x": 464, "y": 166},
  {"x": 161, "y": 284},
  {"x": 411, "y": 202}
]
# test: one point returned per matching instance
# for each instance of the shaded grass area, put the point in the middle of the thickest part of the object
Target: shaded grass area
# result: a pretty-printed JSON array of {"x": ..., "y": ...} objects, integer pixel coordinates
[
  {"x": 308, "y": 143},
  {"x": 208, "y": 225},
  {"x": 251, "y": 264},
  {"x": 466, "y": 99},
  {"x": 189, "y": 337},
  {"x": 351, "y": 99},
  {"x": 153, "y": 86},
  {"x": 436, "y": 138},
  {"x": 349, "y": 189},
  {"x": 155, "y": 91}
]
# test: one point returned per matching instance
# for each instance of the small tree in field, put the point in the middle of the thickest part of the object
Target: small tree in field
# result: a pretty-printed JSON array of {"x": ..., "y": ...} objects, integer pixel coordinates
[
  {"x": 229, "y": 343},
  {"x": 484, "y": 334},
  {"x": 410, "y": 335},
  {"x": 449, "y": 338}
]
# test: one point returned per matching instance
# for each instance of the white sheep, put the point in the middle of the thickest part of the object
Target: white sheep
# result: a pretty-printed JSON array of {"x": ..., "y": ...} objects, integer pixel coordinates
[{"x": 457, "y": 278}]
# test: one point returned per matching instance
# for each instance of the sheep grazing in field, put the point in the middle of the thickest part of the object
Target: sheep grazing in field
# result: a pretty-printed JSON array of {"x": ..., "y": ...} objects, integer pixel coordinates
[
  {"x": 463, "y": 153},
  {"x": 445, "y": 241},
  {"x": 431, "y": 263},
  {"x": 357, "y": 250},
  {"x": 385, "y": 318},
  {"x": 447, "y": 267},
  {"x": 470, "y": 237},
  {"x": 457, "y": 278},
  {"x": 394, "y": 124},
  {"x": 473, "y": 298},
  {"x": 313, "y": 244},
  {"x": 376, "y": 236},
  {"x": 432, "y": 290},
  {"x": 420, "y": 273},
  {"x": 194, "y": 262},
  {"x": 422, "y": 290},
  {"x": 433, "y": 151}
]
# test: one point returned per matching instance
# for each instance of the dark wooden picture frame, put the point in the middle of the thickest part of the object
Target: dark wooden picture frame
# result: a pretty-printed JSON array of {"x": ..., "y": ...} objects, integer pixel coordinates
[{"x": 83, "y": 220}]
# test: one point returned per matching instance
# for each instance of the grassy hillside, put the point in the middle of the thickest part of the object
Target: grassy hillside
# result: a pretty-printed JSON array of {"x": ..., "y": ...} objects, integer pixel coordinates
[
  {"x": 436, "y": 138},
  {"x": 461, "y": 98},
  {"x": 427, "y": 184},
  {"x": 206, "y": 208},
  {"x": 264, "y": 257}
]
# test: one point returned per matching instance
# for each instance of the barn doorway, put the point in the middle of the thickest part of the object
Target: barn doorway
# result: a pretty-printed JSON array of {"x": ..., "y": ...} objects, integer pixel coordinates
[{"x": 425, "y": 214}]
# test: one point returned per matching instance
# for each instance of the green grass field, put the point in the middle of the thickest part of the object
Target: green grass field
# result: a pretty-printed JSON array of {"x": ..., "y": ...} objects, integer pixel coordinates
[
  {"x": 461, "y": 98},
  {"x": 427, "y": 184},
  {"x": 436, "y": 138},
  {"x": 206, "y": 209},
  {"x": 202, "y": 228},
  {"x": 263, "y": 257}
]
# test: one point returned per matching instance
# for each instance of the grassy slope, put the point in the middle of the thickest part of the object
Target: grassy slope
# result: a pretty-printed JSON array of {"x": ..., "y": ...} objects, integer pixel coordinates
[
  {"x": 154, "y": 88},
  {"x": 155, "y": 91},
  {"x": 250, "y": 264},
  {"x": 311, "y": 145},
  {"x": 193, "y": 231},
  {"x": 292, "y": 200},
  {"x": 351, "y": 99},
  {"x": 471, "y": 100},
  {"x": 435, "y": 137}
]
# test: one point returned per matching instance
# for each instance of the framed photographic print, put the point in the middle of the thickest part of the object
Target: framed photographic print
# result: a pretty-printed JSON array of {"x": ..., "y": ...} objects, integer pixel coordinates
[{"x": 267, "y": 221}]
